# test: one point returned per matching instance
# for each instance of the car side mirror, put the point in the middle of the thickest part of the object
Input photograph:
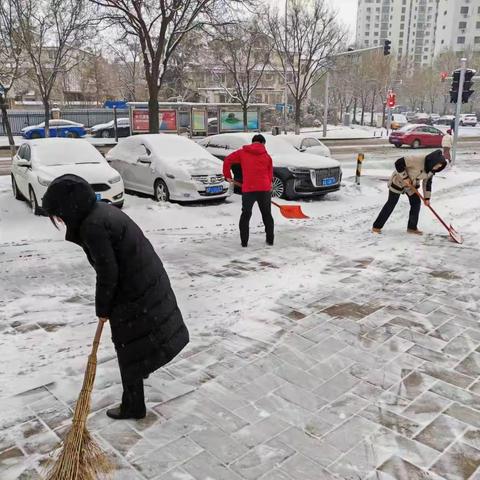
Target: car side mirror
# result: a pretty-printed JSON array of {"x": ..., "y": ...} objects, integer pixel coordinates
[
  {"x": 24, "y": 163},
  {"x": 146, "y": 159}
]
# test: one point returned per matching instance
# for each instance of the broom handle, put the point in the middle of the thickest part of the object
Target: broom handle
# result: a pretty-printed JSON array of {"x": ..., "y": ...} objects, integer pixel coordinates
[{"x": 96, "y": 339}]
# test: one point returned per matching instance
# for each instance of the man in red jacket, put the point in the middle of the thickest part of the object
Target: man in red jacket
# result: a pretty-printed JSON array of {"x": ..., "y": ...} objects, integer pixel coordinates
[{"x": 257, "y": 174}]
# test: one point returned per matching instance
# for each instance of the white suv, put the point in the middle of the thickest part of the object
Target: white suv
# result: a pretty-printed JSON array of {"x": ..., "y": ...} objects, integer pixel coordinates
[{"x": 469, "y": 119}]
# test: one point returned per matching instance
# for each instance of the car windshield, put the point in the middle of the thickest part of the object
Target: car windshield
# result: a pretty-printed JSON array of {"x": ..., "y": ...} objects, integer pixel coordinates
[
  {"x": 278, "y": 146},
  {"x": 61, "y": 154},
  {"x": 406, "y": 128}
]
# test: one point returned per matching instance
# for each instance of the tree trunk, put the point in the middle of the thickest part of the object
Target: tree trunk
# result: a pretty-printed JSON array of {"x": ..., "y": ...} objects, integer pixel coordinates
[
  {"x": 153, "y": 110},
  {"x": 373, "y": 109},
  {"x": 46, "y": 109},
  {"x": 355, "y": 111},
  {"x": 362, "y": 118},
  {"x": 298, "y": 112},
  {"x": 6, "y": 124},
  {"x": 383, "y": 114},
  {"x": 245, "y": 118}
]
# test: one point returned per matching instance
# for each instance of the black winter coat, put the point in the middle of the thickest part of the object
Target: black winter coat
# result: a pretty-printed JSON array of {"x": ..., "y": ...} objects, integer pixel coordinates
[{"x": 133, "y": 290}]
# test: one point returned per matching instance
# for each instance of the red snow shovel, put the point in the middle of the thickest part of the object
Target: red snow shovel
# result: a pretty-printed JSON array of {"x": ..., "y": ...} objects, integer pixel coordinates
[
  {"x": 454, "y": 235},
  {"x": 288, "y": 211}
]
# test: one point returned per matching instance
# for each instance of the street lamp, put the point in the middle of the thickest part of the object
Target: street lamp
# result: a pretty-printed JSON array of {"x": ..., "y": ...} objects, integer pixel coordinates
[{"x": 285, "y": 92}]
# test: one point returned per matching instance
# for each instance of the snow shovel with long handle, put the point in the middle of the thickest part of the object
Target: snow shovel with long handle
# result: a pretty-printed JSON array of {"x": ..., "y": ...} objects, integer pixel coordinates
[
  {"x": 288, "y": 211},
  {"x": 454, "y": 235}
]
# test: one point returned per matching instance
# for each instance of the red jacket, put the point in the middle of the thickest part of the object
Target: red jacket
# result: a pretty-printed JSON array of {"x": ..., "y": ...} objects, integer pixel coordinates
[{"x": 257, "y": 169}]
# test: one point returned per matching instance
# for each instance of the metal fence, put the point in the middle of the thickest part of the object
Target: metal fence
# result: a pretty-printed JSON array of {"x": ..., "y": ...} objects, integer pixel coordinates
[{"x": 88, "y": 117}]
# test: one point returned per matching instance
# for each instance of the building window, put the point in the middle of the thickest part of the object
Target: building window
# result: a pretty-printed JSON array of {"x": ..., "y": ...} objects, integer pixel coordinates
[
  {"x": 478, "y": 25},
  {"x": 463, "y": 25},
  {"x": 464, "y": 10},
  {"x": 477, "y": 40},
  {"x": 461, "y": 40}
]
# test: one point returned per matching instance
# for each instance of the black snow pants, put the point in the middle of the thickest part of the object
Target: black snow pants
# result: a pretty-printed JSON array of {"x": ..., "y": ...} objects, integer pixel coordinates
[
  {"x": 133, "y": 397},
  {"x": 388, "y": 208},
  {"x": 264, "y": 200}
]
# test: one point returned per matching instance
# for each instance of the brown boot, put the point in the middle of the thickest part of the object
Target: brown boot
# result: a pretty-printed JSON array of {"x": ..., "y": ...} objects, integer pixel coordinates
[
  {"x": 415, "y": 231},
  {"x": 376, "y": 230}
]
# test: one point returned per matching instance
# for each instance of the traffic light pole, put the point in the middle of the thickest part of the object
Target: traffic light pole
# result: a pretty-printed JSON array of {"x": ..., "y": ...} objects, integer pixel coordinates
[{"x": 463, "y": 68}]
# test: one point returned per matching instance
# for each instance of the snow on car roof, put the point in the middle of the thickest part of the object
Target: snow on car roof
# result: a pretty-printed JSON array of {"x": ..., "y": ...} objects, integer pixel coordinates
[{"x": 76, "y": 150}]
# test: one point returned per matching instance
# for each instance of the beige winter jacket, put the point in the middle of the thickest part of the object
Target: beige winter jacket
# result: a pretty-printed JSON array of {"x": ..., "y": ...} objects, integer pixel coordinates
[{"x": 414, "y": 169}]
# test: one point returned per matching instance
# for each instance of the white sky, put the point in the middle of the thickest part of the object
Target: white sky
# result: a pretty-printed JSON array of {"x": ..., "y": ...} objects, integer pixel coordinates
[{"x": 347, "y": 12}]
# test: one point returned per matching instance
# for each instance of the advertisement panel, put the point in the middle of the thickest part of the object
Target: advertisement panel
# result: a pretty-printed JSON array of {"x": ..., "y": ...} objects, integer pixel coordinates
[
  {"x": 232, "y": 121},
  {"x": 199, "y": 120},
  {"x": 167, "y": 120}
]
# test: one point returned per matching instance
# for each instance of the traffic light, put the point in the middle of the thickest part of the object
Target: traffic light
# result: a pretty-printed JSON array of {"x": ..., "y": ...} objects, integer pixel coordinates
[
  {"x": 467, "y": 85},
  {"x": 391, "y": 99},
  {"x": 387, "y": 45}
]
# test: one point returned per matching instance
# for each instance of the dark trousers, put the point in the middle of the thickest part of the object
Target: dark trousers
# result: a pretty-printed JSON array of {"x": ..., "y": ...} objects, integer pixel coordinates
[
  {"x": 264, "y": 200},
  {"x": 390, "y": 206},
  {"x": 133, "y": 397}
]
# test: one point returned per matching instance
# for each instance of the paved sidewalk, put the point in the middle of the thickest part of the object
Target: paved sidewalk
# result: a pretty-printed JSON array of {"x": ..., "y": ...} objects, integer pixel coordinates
[{"x": 372, "y": 375}]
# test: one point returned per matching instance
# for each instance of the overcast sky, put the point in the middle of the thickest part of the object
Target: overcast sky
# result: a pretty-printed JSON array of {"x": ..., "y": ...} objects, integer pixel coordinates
[{"x": 347, "y": 11}]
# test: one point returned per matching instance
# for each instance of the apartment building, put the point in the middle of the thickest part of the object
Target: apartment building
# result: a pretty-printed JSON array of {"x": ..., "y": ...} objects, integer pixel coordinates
[{"x": 419, "y": 29}]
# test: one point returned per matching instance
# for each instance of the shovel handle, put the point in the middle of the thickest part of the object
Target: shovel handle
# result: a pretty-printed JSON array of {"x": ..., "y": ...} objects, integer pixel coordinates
[{"x": 430, "y": 207}]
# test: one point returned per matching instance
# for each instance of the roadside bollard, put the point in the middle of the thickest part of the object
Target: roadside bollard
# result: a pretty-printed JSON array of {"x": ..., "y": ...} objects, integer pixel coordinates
[{"x": 360, "y": 159}]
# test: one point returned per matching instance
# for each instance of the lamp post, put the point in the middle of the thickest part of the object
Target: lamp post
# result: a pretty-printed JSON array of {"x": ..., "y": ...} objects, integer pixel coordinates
[{"x": 285, "y": 92}]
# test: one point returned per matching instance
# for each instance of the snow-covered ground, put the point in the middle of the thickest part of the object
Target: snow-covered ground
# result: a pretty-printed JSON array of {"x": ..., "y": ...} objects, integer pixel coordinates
[{"x": 236, "y": 300}]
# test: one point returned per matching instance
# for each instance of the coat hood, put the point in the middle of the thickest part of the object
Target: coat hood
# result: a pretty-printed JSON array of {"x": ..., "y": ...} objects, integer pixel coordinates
[
  {"x": 71, "y": 198},
  {"x": 255, "y": 149},
  {"x": 433, "y": 159}
]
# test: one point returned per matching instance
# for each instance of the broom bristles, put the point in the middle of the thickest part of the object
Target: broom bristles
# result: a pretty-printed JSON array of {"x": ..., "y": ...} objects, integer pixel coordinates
[{"x": 81, "y": 458}]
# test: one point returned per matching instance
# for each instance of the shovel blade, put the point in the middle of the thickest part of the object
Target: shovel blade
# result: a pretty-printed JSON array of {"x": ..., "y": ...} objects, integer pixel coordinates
[
  {"x": 455, "y": 236},
  {"x": 292, "y": 211}
]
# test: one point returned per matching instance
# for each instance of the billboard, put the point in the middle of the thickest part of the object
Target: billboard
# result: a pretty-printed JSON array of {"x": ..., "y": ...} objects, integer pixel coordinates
[
  {"x": 167, "y": 120},
  {"x": 199, "y": 120},
  {"x": 232, "y": 121}
]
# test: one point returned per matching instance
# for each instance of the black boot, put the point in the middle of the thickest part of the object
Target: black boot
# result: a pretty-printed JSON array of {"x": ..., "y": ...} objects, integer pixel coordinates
[{"x": 133, "y": 403}]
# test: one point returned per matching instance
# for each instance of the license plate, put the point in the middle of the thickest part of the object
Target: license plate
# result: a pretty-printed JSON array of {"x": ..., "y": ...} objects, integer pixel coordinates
[
  {"x": 212, "y": 190},
  {"x": 326, "y": 182},
  {"x": 98, "y": 197}
]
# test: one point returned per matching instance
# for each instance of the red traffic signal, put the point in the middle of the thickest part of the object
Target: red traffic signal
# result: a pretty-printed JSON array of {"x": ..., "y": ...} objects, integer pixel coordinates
[
  {"x": 391, "y": 100},
  {"x": 443, "y": 76}
]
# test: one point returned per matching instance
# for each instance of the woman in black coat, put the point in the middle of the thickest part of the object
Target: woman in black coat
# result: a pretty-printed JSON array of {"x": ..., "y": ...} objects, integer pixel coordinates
[{"x": 133, "y": 290}]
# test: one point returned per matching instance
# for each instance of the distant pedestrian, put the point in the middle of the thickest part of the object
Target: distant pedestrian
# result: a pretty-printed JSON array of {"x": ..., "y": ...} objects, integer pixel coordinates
[
  {"x": 132, "y": 290},
  {"x": 257, "y": 176},
  {"x": 447, "y": 144},
  {"x": 411, "y": 171}
]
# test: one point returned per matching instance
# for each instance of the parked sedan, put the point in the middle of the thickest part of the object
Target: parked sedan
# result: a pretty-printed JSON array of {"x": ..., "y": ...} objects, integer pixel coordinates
[
  {"x": 417, "y": 136},
  {"x": 38, "y": 162},
  {"x": 307, "y": 143},
  {"x": 468, "y": 119},
  {"x": 295, "y": 174},
  {"x": 58, "y": 128},
  {"x": 107, "y": 130},
  {"x": 169, "y": 167}
]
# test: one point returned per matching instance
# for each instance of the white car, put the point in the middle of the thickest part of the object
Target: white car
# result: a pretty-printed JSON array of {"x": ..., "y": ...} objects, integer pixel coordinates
[
  {"x": 295, "y": 174},
  {"x": 307, "y": 143},
  {"x": 469, "y": 119},
  {"x": 169, "y": 167},
  {"x": 107, "y": 130},
  {"x": 38, "y": 162}
]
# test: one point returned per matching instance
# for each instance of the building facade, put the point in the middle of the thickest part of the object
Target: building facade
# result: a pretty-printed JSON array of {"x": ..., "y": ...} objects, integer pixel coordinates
[{"x": 419, "y": 29}]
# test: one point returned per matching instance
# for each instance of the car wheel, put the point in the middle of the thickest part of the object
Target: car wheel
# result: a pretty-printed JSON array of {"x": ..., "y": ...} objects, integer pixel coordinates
[
  {"x": 105, "y": 134},
  {"x": 461, "y": 124},
  {"x": 416, "y": 143},
  {"x": 35, "y": 135},
  {"x": 33, "y": 202},
  {"x": 119, "y": 205},
  {"x": 72, "y": 135},
  {"x": 161, "y": 193},
  {"x": 398, "y": 145},
  {"x": 278, "y": 187},
  {"x": 16, "y": 192}
]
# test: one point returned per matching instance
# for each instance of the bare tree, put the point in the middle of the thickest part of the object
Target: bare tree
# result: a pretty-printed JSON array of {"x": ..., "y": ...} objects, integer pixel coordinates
[
  {"x": 303, "y": 42},
  {"x": 52, "y": 34},
  {"x": 244, "y": 52},
  {"x": 160, "y": 26},
  {"x": 11, "y": 62}
]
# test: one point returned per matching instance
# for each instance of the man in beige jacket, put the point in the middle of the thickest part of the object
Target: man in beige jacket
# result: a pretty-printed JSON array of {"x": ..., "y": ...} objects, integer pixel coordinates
[{"x": 411, "y": 171}]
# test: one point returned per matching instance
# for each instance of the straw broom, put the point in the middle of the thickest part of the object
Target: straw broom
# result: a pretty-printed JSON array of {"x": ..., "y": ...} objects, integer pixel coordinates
[{"x": 81, "y": 458}]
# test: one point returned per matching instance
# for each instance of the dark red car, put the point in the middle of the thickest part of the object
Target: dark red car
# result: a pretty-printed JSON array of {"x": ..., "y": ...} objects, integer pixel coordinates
[{"x": 417, "y": 136}]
